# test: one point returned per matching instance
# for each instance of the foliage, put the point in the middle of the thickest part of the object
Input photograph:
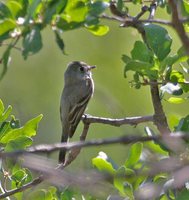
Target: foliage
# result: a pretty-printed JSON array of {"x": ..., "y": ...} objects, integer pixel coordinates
[
  {"x": 150, "y": 61},
  {"x": 14, "y": 137}
]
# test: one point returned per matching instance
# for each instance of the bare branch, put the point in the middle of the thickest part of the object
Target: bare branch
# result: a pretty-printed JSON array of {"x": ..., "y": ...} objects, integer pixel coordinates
[
  {"x": 75, "y": 151},
  {"x": 152, "y": 10},
  {"x": 23, "y": 188},
  {"x": 174, "y": 138},
  {"x": 130, "y": 20},
  {"x": 88, "y": 119},
  {"x": 126, "y": 139}
]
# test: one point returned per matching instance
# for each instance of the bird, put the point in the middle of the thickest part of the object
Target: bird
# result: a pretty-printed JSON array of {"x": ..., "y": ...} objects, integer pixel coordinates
[{"x": 78, "y": 90}]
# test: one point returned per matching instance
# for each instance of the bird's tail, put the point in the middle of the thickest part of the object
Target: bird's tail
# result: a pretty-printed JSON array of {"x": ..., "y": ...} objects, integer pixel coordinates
[{"x": 62, "y": 153}]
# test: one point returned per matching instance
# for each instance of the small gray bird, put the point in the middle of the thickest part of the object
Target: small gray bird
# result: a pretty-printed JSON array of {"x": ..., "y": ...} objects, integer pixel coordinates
[{"x": 78, "y": 89}]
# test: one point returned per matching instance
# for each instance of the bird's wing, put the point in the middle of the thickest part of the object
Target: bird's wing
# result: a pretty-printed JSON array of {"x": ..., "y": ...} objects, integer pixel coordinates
[{"x": 76, "y": 113}]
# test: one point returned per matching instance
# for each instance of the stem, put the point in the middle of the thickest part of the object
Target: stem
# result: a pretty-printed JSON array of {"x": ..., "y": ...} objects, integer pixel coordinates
[{"x": 160, "y": 119}]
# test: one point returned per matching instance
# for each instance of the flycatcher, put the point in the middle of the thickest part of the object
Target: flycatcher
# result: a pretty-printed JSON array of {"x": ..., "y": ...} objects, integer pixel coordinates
[{"x": 78, "y": 89}]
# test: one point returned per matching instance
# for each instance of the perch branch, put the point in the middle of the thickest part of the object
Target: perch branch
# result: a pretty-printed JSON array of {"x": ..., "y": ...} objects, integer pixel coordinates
[{"x": 88, "y": 119}]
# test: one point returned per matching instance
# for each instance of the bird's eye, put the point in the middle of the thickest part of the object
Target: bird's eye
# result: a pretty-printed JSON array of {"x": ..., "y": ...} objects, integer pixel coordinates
[{"x": 81, "y": 69}]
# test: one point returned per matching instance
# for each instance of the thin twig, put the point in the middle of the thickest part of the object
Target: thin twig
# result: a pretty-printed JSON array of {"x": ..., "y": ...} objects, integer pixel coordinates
[
  {"x": 75, "y": 151},
  {"x": 130, "y": 20},
  {"x": 21, "y": 189},
  {"x": 152, "y": 10},
  {"x": 12, "y": 46}
]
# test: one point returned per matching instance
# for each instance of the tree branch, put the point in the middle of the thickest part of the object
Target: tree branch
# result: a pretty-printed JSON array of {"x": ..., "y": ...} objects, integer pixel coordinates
[
  {"x": 75, "y": 151},
  {"x": 128, "y": 139},
  {"x": 89, "y": 119},
  {"x": 159, "y": 116},
  {"x": 23, "y": 188},
  {"x": 178, "y": 24}
]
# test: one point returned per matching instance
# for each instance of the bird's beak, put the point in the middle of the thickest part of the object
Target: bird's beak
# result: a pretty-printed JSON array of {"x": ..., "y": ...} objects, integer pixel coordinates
[{"x": 92, "y": 67}]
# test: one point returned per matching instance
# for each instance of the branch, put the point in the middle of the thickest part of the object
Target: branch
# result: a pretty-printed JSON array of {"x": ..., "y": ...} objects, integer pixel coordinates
[
  {"x": 23, "y": 188},
  {"x": 178, "y": 24},
  {"x": 159, "y": 116},
  {"x": 75, "y": 151},
  {"x": 68, "y": 146},
  {"x": 129, "y": 139},
  {"x": 152, "y": 10},
  {"x": 131, "y": 20},
  {"x": 88, "y": 119}
]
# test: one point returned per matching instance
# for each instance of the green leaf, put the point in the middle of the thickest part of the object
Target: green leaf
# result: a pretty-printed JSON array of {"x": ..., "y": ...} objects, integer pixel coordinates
[
  {"x": 7, "y": 25},
  {"x": 4, "y": 114},
  {"x": 21, "y": 142},
  {"x": 126, "y": 59},
  {"x": 66, "y": 194},
  {"x": 181, "y": 56},
  {"x": 2, "y": 108},
  {"x": 59, "y": 41},
  {"x": 173, "y": 120},
  {"x": 136, "y": 79},
  {"x": 141, "y": 52},
  {"x": 182, "y": 194},
  {"x": 44, "y": 194},
  {"x": 21, "y": 177},
  {"x": 6, "y": 60},
  {"x": 144, "y": 68},
  {"x": 158, "y": 40},
  {"x": 134, "y": 154},
  {"x": 171, "y": 88},
  {"x": 176, "y": 76},
  {"x": 31, "y": 10},
  {"x": 65, "y": 25},
  {"x": 183, "y": 124},
  {"x": 155, "y": 147},
  {"x": 120, "y": 5},
  {"x": 137, "y": 1},
  {"x": 102, "y": 163},
  {"x": 4, "y": 11},
  {"x": 75, "y": 11},
  {"x": 176, "y": 100},
  {"x": 185, "y": 8},
  {"x": 29, "y": 130},
  {"x": 120, "y": 182},
  {"x": 54, "y": 7},
  {"x": 32, "y": 42},
  {"x": 98, "y": 7},
  {"x": 120, "y": 179},
  {"x": 14, "y": 6},
  {"x": 98, "y": 30}
]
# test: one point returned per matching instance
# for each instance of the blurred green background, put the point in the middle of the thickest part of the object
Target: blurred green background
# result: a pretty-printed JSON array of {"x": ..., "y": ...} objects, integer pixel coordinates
[{"x": 34, "y": 86}]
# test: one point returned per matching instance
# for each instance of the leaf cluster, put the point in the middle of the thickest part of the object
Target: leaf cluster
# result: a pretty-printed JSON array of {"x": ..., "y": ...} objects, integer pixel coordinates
[
  {"x": 26, "y": 19},
  {"x": 14, "y": 137}
]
